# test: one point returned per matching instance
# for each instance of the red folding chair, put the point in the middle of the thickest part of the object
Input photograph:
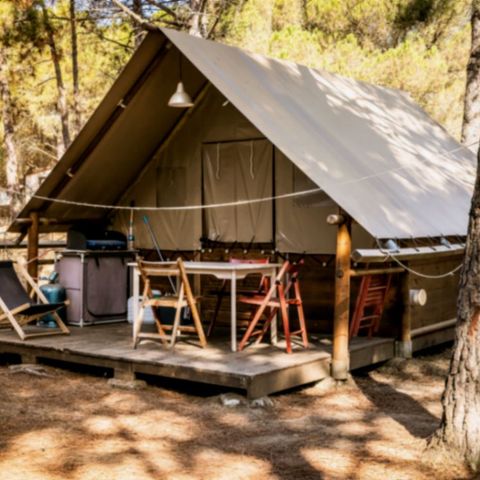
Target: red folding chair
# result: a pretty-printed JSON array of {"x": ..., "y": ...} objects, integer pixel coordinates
[
  {"x": 268, "y": 306},
  {"x": 222, "y": 292},
  {"x": 370, "y": 304}
]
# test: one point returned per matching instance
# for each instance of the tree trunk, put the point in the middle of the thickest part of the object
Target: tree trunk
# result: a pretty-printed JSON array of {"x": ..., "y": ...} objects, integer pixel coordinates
[
  {"x": 198, "y": 23},
  {"x": 471, "y": 115},
  {"x": 11, "y": 155},
  {"x": 138, "y": 31},
  {"x": 77, "y": 121},
  {"x": 460, "y": 425},
  {"x": 62, "y": 105}
]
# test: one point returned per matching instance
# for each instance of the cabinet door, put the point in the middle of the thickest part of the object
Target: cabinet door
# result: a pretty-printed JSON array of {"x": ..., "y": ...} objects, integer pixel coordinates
[
  {"x": 106, "y": 287},
  {"x": 70, "y": 276}
]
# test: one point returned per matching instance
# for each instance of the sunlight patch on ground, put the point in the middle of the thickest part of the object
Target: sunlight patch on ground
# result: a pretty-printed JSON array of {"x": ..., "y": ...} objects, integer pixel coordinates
[
  {"x": 225, "y": 466},
  {"x": 128, "y": 468},
  {"x": 23, "y": 471},
  {"x": 394, "y": 451},
  {"x": 385, "y": 427},
  {"x": 101, "y": 425},
  {"x": 32, "y": 454},
  {"x": 355, "y": 428},
  {"x": 106, "y": 447},
  {"x": 123, "y": 402},
  {"x": 42, "y": 444},
  {"x": 154, "y": 425},
  {"x": 162, "y": 454},
  {"x": 328, "y": 462},
  {"x": 161, "y": 424},
  {"x": 234, "y": 419},
  {"x": 387, "y": 471}
]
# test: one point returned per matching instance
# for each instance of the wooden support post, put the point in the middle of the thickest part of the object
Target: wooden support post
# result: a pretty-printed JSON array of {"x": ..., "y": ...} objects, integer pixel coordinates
[
  {"x": 197, "y": 282},
  {"x": 32, "y": 247},
  {"x": 404, "y": 346},
  {"x": 124, "y": 373},
  {"x": 124, "y": 377},
  {"x": 341, "y": 359},
  {"x": 29, "y": 358}
]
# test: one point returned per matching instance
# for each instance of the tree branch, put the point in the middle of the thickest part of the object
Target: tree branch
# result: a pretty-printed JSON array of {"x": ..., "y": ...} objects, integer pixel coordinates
[
  {"x": 164, "y": 8},
  {"x": 217, "y": 19},
  {"x": 137, "y": 18},
  {"x": 100, "y": 34}
]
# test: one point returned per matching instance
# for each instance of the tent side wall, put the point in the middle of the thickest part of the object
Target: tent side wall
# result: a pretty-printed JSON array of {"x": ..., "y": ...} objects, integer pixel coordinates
[
  {"x": 218, "y": 156},
  {"x": 440, "y": 309},
  {"x": 442, "y": 292}
]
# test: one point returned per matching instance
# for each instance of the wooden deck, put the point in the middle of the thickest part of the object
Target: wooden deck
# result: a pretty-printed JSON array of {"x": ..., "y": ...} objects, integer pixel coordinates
[{"x": 258, "y": 370}]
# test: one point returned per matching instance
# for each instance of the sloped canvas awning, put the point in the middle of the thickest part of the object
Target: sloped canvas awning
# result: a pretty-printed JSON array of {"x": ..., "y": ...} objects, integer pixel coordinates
[{"x": 373, "y": 150}]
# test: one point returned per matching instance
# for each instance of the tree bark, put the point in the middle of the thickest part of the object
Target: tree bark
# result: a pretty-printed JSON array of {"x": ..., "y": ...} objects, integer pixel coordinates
[
  {"x": 137, "y": 8},
  {"x": 62, "y": 104},
  {"x": 77, "y": 121},
  {"x": 471, "y": 115},
  {"x": 460, "y": 425},
  {"x": 198, "y": 23},
  {"x": 11, "y": 152},
  {"x": 219, "y": 14}
]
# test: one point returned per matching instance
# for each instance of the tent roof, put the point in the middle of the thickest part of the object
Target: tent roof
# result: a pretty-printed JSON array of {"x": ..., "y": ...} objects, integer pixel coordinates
[{"x": 373, "y": 150}]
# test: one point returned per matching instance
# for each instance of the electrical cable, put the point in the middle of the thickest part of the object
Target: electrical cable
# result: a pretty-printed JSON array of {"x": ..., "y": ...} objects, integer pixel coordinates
[{"x": 389, "y": 254}]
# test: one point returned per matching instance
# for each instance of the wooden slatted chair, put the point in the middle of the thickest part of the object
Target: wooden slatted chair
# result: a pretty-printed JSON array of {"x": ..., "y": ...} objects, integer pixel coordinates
[
  {"x": 370, "y": 304},
  {"x": 183, "y": 298},
  {"x": 18, "y": 309},
  {"x": 274, "y": 300},
  {"x": 222, "y": 292}
]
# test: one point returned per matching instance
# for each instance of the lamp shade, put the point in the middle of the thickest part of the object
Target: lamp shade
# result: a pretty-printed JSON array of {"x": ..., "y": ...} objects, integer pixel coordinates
[{"x": 180, "y": 99}]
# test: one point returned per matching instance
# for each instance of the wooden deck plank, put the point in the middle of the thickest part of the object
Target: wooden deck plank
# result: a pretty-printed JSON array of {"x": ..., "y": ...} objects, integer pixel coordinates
[
  {"x": 259, "y": 369},
  {"x": 433, "y": 338}
]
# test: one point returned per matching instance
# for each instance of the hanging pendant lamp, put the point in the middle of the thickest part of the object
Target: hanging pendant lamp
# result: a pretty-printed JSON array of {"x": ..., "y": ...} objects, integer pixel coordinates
[{"x": 180, "y": 99}]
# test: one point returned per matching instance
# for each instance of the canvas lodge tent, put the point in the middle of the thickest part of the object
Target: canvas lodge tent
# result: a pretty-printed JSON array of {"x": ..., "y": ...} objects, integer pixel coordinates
[{"x": 268, "y": 129}]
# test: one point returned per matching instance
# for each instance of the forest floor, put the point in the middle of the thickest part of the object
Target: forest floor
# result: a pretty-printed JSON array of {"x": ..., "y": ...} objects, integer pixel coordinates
[{"x": 75, "y": 426}]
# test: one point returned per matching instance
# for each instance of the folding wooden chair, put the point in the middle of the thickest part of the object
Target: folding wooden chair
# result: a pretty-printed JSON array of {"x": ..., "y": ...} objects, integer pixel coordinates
[
  {"x": 18, "y": 309},
  {"x": 268, "y": 305},
  {"x": 183, "y": 298},
  {"x": 222, "y": 292},
  {"x": 370, "y": 304}
]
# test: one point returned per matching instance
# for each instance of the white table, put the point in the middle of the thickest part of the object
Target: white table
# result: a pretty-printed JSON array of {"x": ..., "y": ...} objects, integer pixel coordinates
[{"x": 222, "y": 271}]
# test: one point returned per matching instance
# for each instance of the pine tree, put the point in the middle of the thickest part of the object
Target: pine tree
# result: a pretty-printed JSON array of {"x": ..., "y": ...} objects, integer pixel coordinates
[{"x": 460, "y": 425}]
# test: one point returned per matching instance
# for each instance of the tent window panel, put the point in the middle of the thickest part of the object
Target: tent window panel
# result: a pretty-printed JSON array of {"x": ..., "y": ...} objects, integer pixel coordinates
[{"x": 232, "y": 172}]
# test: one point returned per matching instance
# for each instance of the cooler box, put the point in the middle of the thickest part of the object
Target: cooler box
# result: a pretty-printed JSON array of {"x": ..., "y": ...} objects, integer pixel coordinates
[{"x": 96, "y": 283}]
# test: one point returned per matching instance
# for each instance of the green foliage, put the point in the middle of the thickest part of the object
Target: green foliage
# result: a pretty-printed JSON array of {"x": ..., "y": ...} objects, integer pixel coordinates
[
  {"x": 288, "y": 13},
  {"x": 252, "y": 28},
  {"x": 31, "y": 73},
  {"x": 420, "y": 46}
]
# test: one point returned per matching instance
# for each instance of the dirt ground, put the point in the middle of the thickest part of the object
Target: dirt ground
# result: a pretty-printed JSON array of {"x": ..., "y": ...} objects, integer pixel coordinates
[{"x": 76, "y": 426}]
